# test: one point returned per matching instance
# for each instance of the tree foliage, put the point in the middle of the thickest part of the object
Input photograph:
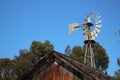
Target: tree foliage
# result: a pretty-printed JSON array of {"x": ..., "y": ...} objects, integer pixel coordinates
[
  {"x": 117, "y": 73},
  {"x": 41, "y": 48},
  {"x": 101, "y": 57},
  {"x": 68, "y": 50},
  {"x": 6, "y": 69},
  {"x": 77, "y": 53},
  {"x": 11, "y": 69},
  {"x": 118, "y": 61}
]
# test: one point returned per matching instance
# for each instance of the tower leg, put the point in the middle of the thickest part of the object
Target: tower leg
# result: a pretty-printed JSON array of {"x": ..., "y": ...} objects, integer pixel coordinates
[{"x": 89, "y": 55}]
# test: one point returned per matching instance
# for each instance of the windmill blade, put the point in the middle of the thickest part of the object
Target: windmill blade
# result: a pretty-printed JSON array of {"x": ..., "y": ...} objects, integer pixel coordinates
[
  {"x": 88, "y": 17},
  {"x": 100, "y": 21},
  {"x": 85, "y": 30},
  {"x": 92, "y": 33},
  {"x": 73, "y": 27},
  {"x": 95, "y": 16},
  {"x": 98, "y": 17},
  {"x": 93, "y": 37},
  {"x": 89, "y": 20},
  {"x": 84, "y": 33},
  {"x": 98, "y": 25},
  {"x": 89, "y": 14},
  {"x": 97, "y": 30},
  {"x": 96, "y": 34}
]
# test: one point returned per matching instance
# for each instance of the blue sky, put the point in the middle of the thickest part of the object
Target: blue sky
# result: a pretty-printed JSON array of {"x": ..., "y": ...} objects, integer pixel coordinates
[{"x": 23, "y": 21}]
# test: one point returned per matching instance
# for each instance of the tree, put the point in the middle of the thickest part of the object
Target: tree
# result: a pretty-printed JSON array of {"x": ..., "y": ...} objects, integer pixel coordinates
[
  {"x": 77, "y": 53},
  {"x": 28, "y": 58},
  {"x": 41, "y": 48},
  {"x": 117, "y": 73},
  {"x": 47, "y": 47},
  {"x": 21, "y": 63},
  {"x": 100, "y": 55},
  {"x": 6, "y": 69},
  {"x": 68, "y": 50},
  {"x": 12, "y": 69},
  {"x": 118, "y": 61}
]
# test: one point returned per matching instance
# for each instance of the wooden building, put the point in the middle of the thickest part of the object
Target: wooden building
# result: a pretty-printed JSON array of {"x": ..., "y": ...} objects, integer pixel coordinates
[{"x": 56, "y": 66}]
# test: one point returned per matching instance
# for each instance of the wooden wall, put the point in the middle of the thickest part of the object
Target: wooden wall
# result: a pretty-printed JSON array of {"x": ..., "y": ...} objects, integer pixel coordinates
[{"x": 56, "y": 72}]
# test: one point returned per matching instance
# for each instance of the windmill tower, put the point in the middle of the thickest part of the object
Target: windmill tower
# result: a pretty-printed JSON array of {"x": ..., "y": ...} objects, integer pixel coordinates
[{"x": 91, "y": 28}]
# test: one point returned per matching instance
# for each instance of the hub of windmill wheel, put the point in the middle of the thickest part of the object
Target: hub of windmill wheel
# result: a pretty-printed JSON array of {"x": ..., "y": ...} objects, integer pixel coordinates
[{"x": 89, "y": 24}]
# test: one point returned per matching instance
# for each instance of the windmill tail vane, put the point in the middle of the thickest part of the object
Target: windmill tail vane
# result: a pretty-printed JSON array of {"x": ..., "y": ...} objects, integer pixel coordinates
[{"x": 73, "y": 27}]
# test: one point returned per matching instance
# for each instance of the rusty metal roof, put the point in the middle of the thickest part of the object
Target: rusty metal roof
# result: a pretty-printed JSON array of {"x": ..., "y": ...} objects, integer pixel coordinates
[{"x": 77, "y": 68}]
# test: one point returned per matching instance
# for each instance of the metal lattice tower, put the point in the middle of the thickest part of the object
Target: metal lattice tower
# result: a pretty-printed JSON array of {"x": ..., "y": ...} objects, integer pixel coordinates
[
  {"x": 91, "y": 28},
  {"x": 89, "y": 44}
]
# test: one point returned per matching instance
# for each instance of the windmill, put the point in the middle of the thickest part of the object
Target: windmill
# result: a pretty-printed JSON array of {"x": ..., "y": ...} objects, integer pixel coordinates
[{"x": 91, "y": 27}]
